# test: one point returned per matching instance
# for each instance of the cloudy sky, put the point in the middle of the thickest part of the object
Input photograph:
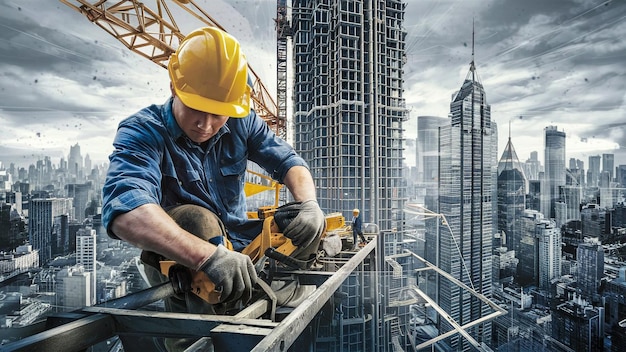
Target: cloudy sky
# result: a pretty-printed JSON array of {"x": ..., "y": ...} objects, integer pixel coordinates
[{"x": 63, "y": 80}]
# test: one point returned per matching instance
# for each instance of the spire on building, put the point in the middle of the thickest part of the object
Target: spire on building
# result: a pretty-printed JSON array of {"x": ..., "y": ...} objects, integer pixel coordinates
[{"x": 509, "y": 159}]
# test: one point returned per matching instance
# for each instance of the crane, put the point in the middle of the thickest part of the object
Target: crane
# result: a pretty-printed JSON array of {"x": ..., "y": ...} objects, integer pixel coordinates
[{"x": 152, "y": 32}]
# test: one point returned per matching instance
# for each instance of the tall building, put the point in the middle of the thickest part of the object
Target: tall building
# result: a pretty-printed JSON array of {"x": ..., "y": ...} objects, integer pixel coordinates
[
  {"x": 81, "y": 193},
  {"x": 511, "y": 193},
  {"x": 532, "y": 167},
  {"x": 86, "y": 255},
  {"x": 620, "y": 177},
  {"x": 554, "y": 175},
  {"x": 41, "y": 218},
  {"x": 593, "y": 174},
  {"x": 526, "y": 248},
  {"x": 75, "y": 163},
  {"x": 349, "y": 108},
  {"x": 549, "y": 252},
  {"x": 427, "y": 158},
  {"x": 590, "y": 259},
  {"x": 468, "y": 149},
  {"x": 578, "y": 325},
  {"x": 428, "y": 148},
  {"x": 73, "y": 288},
  {"x": 608, "y": 162},
  {"x": 572, "y": 197},
  {"x": 87, "y": 166}
]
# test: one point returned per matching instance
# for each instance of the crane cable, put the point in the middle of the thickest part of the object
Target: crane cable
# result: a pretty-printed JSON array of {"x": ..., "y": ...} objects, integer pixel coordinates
[{"x": 429, "y": 214}]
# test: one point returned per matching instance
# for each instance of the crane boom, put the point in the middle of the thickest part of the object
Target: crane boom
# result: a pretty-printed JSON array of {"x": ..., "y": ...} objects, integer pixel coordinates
[{"x": 154, "y": 34}]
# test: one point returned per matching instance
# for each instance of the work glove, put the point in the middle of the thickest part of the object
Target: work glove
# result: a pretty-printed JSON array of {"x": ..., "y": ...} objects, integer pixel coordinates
[
  {"x": 232, "y": 272},
  {"x": 301, "y": 222}
]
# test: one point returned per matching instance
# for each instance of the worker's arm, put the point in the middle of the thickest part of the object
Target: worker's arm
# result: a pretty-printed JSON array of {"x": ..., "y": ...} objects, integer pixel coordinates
[
  {"x": 300, "y": 183},
  {"x": 149, "y": 227}
]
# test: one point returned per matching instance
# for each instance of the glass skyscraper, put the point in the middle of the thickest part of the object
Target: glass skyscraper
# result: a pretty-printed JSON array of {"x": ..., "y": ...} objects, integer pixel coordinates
[
  {"x": 554, "y": 176},
  {"x": 511, "y": 194},
  {"x": 466, "y": 189}
]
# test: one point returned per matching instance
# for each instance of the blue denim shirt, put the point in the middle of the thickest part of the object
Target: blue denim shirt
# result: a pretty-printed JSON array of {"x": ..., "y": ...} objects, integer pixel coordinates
[{"x": 154, "y": 162}]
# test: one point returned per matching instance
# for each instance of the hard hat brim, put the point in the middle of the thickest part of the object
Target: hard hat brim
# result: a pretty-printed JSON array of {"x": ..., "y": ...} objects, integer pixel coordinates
[{"x": 235, "y": 109}]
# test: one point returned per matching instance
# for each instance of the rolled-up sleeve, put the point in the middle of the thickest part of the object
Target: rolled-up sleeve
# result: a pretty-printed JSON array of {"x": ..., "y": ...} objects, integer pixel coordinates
[
  {"x": 268, "y": 150},
  {"x": 134, "y": 176}
]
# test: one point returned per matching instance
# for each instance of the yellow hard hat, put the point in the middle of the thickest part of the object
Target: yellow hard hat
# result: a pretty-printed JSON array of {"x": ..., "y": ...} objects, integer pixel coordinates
[
  {"x": 210, "y": 73},
  {"x": 355, "y": 211}
]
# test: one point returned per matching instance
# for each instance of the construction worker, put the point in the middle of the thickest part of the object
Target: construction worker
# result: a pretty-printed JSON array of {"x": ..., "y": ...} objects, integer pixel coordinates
[
  {"x": 175, "y": 184},
  {"x": 357, "y": 229}
]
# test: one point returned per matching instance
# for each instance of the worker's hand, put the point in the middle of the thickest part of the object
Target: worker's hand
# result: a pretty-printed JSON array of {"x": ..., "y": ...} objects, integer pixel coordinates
[
  {"x": 231, "y": 271},
  {"x": 302, "y": 222}
]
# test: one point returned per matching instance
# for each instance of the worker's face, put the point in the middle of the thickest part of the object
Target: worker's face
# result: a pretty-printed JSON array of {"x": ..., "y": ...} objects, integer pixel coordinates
[{"x": 199, "y": 126}]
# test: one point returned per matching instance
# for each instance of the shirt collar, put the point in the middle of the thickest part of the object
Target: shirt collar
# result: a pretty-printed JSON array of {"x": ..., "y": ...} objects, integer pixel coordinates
[{"x": 170, "y": 122}]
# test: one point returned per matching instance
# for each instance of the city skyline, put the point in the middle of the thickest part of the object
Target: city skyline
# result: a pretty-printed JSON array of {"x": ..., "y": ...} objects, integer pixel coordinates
[{"x": 66, "y": 81}]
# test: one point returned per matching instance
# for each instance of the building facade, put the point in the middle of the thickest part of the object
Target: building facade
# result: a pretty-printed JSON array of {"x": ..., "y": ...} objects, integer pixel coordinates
[
  {"x": 554, "y": 176},
  {"x": 86, "y": 255},
  {"x": 41, "y": 214},
  {"x": 512, "y": 190},
  {"x": 466, "y": 191},
  {"x": 590, "y": 258},
  {"x": 349, "y": 108}
]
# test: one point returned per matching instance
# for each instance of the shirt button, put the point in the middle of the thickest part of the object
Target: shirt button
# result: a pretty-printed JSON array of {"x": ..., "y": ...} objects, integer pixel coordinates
[
  {"x": 210, "y": 180},
  {"x": 180, "y": 183}
]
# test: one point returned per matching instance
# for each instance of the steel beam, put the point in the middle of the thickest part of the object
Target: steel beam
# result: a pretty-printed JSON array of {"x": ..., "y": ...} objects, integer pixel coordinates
[
  {"x": 285, "y": 334},
  {"x": 74, "y": 336}
]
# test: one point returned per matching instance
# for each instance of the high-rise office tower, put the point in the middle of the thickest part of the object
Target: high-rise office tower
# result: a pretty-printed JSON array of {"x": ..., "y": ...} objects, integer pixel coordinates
[
  {"x": 549, "y": 252},
  {"x": 511, "y": 193},
  {"x": 593, "y": 174},
  {"x": 428, "y": 148},
  {"x": 578, "y": 325},
  {"x": 468, "y": 149},
  {"x": 41, "y": 218},
  {"x": 81, "y": 193},
  {"x": 349, "y": 108},
  {"x": 427, "y": 158},
  {"x": 621, "y": 176},
  {"x": 75, "y": 163},
  {"x": 86, "y": 255},
  {"x": 532, "y": 167},
  {"x": 525, "y": 245},
  {"x": 539, "y": 250},
  {"x": 572, "y": 196},
  {"x": 590, "y": 260},
  {"x": 87, "y": 166},
  {"x": 554, "y": 175},
  {"x": 608, "y": 164}
]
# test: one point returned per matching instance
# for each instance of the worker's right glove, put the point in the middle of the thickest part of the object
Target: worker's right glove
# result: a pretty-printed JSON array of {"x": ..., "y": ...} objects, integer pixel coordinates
[
  {"x": 301, "y": 222},
  {"x": 232, "y": 272}
]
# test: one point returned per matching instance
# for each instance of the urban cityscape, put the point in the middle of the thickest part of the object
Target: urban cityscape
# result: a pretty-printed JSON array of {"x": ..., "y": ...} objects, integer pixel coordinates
[{"x": 539, "y": 235}]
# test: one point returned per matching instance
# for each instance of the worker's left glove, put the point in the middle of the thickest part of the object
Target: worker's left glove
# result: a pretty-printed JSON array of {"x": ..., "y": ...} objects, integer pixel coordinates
[
  {"x": 301, "y": 222},
  {"x": 232, "y": 272}
]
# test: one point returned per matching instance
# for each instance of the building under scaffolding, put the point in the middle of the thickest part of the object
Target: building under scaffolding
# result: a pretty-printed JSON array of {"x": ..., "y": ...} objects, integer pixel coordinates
[{"x": 367, "y": 300}]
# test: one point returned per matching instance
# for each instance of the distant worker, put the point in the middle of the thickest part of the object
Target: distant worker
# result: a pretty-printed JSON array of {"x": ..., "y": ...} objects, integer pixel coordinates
[
  {"x": 357, "y": 229},
  {"x": 175, "y": 184}
]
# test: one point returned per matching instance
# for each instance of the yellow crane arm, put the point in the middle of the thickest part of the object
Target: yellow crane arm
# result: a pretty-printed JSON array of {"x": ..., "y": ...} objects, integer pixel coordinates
[{"x": 152, "y": 32}]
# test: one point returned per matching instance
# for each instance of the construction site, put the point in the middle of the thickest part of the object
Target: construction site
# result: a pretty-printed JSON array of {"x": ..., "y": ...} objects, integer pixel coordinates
[{"x": 379, "y": 296}]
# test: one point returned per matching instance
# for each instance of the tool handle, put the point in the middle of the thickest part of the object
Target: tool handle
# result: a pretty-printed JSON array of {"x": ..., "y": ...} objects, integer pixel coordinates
[{"x": 285, "y": 259}]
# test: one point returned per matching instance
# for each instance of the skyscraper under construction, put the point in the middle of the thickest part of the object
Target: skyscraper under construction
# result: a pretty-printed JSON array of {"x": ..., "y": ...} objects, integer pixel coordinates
[{"x": 348, "y": 103}]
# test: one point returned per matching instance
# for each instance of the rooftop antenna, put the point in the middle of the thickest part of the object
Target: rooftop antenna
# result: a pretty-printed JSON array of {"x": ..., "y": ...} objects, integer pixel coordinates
[{"x": 472, "y": 66}]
